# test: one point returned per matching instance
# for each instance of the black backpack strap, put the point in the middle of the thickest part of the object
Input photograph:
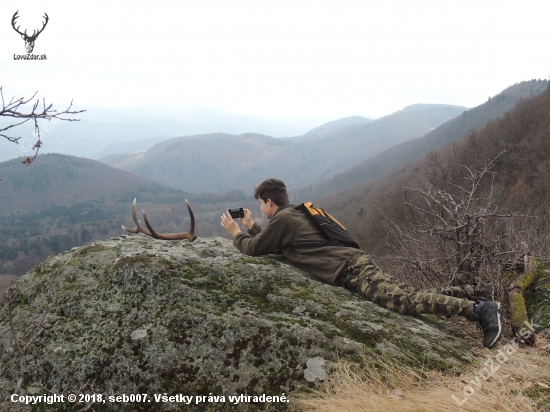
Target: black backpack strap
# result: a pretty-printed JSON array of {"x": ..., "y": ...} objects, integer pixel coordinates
[{"x": 333, "y": 230}]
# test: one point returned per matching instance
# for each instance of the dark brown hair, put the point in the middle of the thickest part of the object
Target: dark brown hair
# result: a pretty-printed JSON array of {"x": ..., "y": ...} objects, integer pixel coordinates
[{"x": 273, "y": 189}]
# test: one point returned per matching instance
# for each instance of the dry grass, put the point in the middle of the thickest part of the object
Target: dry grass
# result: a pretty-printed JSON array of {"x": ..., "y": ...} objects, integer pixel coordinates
[{"x": 522, "y": 383}]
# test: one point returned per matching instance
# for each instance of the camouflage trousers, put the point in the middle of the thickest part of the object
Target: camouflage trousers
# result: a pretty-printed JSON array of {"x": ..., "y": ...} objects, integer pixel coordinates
[{"x": 362, "y": 275}]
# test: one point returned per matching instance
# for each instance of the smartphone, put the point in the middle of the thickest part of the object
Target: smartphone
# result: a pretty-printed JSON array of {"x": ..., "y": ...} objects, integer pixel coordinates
[{"x": 236, "y": 212}]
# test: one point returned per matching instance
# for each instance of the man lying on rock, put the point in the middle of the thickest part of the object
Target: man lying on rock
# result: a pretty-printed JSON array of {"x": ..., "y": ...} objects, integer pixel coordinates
[{"x": 296, "y": 235}]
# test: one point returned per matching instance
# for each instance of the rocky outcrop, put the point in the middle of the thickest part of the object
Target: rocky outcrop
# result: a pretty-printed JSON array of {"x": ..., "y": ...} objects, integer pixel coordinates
[{"x": 137, "y": 315}]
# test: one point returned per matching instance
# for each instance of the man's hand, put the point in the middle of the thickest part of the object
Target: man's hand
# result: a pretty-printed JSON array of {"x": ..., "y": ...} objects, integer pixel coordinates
[
  {"x": 230, "y": 225},
  {"x": 247, "y": 219}
]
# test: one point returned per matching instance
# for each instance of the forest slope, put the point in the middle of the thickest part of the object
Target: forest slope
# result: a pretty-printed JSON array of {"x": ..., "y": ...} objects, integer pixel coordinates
[
  {"x": 413, "y": 149},
  {"x": 521, "y": 174},
  {"x": 61, "y": 201}
]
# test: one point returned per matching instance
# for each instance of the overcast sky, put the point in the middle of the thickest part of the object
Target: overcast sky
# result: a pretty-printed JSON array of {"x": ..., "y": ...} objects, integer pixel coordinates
[{"x": 330, "y": 58}]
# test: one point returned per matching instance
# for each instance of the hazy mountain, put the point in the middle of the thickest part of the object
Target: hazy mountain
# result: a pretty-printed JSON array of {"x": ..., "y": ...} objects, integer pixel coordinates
[
  {"x": 217, "y": 120},
  {"x": 131, "y": 147},
  {"x": 218, "y": 162},
  {"x": 100, "y": 127},
  {"x": 520, "y": 175},
  {"x": 330, "y": 126},
  {"x": 407, "y": 151}
]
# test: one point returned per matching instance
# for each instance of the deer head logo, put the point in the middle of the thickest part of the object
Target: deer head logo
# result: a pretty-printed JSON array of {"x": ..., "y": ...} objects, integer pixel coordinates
[{"x": 29, "y": 40}]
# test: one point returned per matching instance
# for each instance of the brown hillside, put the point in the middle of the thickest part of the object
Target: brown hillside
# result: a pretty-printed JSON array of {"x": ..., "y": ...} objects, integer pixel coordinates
[
  {"x": 411, "y": 150},
  {"x": 522, "y": 173}
]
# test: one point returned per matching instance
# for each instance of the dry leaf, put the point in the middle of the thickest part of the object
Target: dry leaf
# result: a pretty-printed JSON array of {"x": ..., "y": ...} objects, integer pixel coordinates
[{"x": 545, "y": 386}]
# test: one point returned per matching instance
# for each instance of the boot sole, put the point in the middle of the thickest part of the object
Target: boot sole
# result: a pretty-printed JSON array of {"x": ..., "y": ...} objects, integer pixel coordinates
[{"x": 499, "y": 334}]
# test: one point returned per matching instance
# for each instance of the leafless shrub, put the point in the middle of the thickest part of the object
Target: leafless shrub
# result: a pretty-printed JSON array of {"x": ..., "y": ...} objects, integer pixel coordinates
[{"x": 461, "y": 234}]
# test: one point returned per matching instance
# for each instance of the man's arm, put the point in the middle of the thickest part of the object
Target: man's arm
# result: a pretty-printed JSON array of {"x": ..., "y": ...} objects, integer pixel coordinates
[
  {"x": 259, "y": 241},
  {"x": 253, "y": 228},
  {"x": 267, "y": 240}
]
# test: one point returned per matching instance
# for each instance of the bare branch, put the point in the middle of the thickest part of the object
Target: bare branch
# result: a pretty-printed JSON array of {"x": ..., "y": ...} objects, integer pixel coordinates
[
  {"x": 14, "y": 110},
  {"x": 462, "y": 230}
]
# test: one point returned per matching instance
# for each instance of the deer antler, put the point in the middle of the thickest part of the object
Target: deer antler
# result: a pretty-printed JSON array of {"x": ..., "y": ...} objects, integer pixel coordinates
[
  {"x": 43, "y": 26},
  {"x": 165, "y": 236},
  {"x": 34, "y": 33},
  {"x": 139, "y": 227},
  {"x": 175, "y": 236},
  {"x": 15, "y": 16}
]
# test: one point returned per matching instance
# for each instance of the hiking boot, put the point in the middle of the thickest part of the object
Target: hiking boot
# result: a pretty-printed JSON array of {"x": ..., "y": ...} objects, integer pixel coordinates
[
  {"x": 484, "y": 291},
  {"x": 488, "y": 315}
]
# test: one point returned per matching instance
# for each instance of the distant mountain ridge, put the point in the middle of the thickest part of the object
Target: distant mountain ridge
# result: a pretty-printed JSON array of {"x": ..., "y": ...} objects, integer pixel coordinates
[
  {"x": 217, "y": 162},
  {"x": 520, "y": 176},
  {"x": 330, "y": 126},
  {"x": 99, "y": 128},
  {"x": 407, "y": 151}
]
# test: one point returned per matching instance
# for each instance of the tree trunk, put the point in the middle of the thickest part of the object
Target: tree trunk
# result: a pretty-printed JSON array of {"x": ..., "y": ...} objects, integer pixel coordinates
[{"x": 521, "y": 327}]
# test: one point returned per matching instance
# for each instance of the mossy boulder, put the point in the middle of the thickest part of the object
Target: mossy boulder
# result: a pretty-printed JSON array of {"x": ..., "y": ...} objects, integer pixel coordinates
[{"x": 137, "y": 315}]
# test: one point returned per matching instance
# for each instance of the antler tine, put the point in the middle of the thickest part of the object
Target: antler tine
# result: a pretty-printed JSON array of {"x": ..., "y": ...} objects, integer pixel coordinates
[
  {"x": 127, "y": 229},
  {"x": 175, "y": 236},
  {"x": 192, "y": 218},
  {"x": 15, "y": 16},
  {"x": 139, "y": 227},
  {"x": 36, "y": 33},
  {"x": 44, "y": 24}
]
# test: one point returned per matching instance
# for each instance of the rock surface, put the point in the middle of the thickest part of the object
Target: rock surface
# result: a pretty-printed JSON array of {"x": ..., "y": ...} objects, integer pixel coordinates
[{"x": 136, "y": 315}]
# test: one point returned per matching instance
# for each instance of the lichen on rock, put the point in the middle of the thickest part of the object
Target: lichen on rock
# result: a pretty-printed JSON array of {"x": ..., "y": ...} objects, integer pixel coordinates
[{"x": 137, "y": 315}]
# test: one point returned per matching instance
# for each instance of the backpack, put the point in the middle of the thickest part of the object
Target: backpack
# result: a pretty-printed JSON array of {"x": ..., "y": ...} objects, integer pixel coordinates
[{"x": 336, "y": 233}]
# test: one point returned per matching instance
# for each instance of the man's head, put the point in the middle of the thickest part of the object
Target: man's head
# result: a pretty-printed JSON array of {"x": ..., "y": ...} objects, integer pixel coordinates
[{"x": 271, "y": 194}]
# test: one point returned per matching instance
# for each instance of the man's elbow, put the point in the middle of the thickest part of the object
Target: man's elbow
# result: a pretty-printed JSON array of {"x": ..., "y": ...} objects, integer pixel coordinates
[{"x": 253, "y": 253}]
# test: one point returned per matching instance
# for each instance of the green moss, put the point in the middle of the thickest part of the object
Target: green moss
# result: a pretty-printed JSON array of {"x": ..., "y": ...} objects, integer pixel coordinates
[
  {"x": 509, "y": 276},
  {"x": 539, "y": 395},
  {"x": 518, "y": 309},
  {"x": 292, "y": 340},
  {"x": 142, "y": 259},
  {"x": 303, "y": 294},
  {"x": 537, "y": 298},
  {"x": 527, "y": 279},
  {"x": 73, "y": 262},
  {"x": 333, "y": 334},
  {"x": 431, "y": 318},
  {"x": 94, "y": 249}
]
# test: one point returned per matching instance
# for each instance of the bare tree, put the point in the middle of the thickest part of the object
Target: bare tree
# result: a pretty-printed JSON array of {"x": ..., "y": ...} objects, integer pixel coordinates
[
  {"x": 15, "y": 109},
  {"x": 462, "y": 233}
]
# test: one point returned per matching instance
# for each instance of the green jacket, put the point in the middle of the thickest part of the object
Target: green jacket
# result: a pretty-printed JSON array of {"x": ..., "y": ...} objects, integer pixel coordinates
[{"x": 295, "y": 235}]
